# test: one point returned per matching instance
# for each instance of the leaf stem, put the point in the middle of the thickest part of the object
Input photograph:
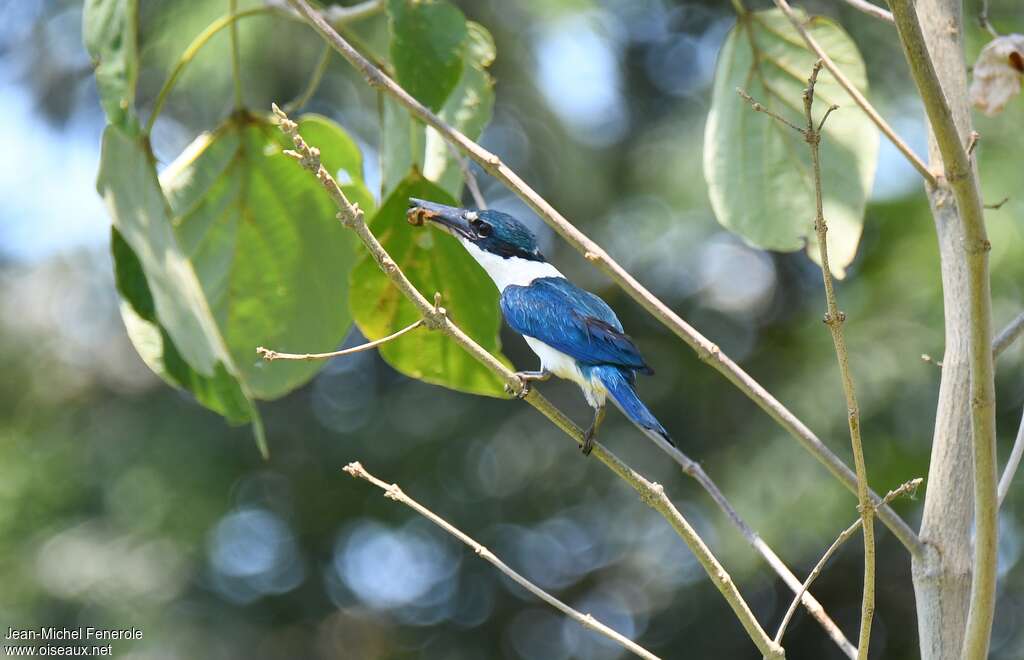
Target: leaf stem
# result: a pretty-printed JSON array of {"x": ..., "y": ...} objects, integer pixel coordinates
[
  {"x": 236, "y": 62},
  {"x": 314, "y": 82},
  {"x": 270, "y": 355}
]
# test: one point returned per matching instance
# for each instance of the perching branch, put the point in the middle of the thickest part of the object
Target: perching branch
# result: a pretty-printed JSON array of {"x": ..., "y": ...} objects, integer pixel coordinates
[
  {"x": 871, "y": 9},
  {"x": 706, "y": 350},
  {"x": 1012, "y": 463},
  {"x": 834, "y": 320},
  {"x": 270, "y": 355},
  {"x": 841, "y": 539},
  {"x": 1008, "y": 335},
  {"x": 393, "y": 492},
  {"x": 435, "y": 318},
  {"x": 855, "y": 94},
  {"x": 959, "y": 176}
]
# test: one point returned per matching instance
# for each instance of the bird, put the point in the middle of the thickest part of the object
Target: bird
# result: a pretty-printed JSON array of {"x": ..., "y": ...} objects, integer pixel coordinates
[{"x": 574, "y": 332}]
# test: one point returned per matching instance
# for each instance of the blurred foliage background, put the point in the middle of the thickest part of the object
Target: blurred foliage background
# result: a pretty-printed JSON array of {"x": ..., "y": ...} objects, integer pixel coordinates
[{"x": 123, "y": 503}]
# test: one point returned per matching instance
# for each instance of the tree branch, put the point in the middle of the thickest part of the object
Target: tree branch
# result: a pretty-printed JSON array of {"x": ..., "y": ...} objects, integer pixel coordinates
[
  {"x": 1012, "y": 463},
  {"x": 1008, "y": 335},
  {"x": 855, "y": 94},
  {"x": 960, "y": 177},
  {"x": 435, "y": 318},
  {"x": 834, "y": 320},
  {"x": 871, "y": 9},
  {"x": 393, "y": 492},
  {"x": 706, "y": 350},
  {"x": 843, "y": 536},
  {"x": 270, "y": 355}
]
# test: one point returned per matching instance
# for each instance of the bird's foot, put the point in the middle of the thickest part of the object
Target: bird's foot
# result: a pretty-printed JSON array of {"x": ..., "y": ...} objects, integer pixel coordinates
[
  {"x": 525, "y": 378},
  {"x": 521, "y": 392},
  {"x": 588, "y": 442}
]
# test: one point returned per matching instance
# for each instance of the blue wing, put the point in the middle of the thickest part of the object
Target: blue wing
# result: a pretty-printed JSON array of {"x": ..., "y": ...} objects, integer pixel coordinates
[{"x": 571, "y": 320}]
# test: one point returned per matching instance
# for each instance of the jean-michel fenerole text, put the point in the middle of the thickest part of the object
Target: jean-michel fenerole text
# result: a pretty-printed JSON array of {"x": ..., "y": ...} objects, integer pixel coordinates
[{"x": 59, "y": 634}]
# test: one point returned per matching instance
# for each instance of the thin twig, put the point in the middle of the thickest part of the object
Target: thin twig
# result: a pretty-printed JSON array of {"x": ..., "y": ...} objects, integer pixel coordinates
[
  {"x": 846, "y": 534},
  {"x": 998, "y": 205},
  {"x": 855, "y": 94},
  {"x": 834, "y": 320},
  {"x": 871, "y": 9},
  {"x": 468, "y": 177},
  {"x": 758, "y": 107},
  {"x": 959, "y": 176},
  {"x": 983, "y": 19},
  {"x": 706, "y": 350},
  {"x": 271, "y": 355},
  {"x": 436, "y": 318},
  {"x": 1008, "y": 335},
  {"x": 1012, "y": 463},
  {"x": 393, "y": 492},
  {"x": 314, "y": 82}
]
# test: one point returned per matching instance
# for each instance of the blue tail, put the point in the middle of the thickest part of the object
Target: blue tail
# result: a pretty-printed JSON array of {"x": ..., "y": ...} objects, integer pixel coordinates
[{"x": 621, "y": 385}]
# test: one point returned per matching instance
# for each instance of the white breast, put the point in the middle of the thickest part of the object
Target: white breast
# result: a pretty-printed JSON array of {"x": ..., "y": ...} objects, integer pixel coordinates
[{"x": 564, "y": 366}]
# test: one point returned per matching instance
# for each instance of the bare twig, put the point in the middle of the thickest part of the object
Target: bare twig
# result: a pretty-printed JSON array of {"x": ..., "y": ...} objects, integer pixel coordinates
[
  {"x": 998, "y": 205},
  {"x": 706, "y": 350},
  {"x": 1008, "y": 335},
  {"x": 960, "y": 177},
  {"x": 759, "y": 107},
  {"x": 468, "y": 177},
  {"x": 270, "y": 355},
  {"x": 435, "y": 318},
  {"x": 1012, "y": 463},
  {"x": 855, "y": 94},
  {"x": 392, "y": 491},
  {"x": 871, "y": 9},
  {"x": 909, "y": 486},
  {"x": 834, "y": 320}
]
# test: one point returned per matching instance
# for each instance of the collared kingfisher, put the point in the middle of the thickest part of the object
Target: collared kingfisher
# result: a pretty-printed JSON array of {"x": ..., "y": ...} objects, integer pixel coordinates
[{"x": 575, "y": 334}]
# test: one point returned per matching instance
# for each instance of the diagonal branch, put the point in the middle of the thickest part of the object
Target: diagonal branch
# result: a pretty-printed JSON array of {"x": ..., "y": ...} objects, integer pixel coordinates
[
  {"x": 392, "y": 491},
  {"x": 959, "y": 176},
  {"x": 855, "y": 94},
  {"x": 435, "y": 318},
  {"x": 706, "y": 350}
]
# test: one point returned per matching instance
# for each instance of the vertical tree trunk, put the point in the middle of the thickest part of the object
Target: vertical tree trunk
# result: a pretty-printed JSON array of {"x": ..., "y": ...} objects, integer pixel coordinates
[{"x": 942, "y": 580}]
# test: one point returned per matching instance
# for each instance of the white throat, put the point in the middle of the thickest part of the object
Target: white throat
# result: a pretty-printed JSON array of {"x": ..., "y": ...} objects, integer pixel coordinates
[{"x": 509, "y": 271}]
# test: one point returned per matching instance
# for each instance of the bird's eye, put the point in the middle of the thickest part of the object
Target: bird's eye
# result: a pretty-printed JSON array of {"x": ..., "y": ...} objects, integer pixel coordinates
[{"x": 482, "y": 229}]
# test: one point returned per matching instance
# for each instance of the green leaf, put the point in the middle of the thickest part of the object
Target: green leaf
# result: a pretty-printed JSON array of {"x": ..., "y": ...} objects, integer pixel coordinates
[
  {"x": 220, "y": 392},
  {"x": 434, "y": 262},
  {"x": 468, "y": 110},
  {"x": 407, "y": 144},
  {"x": 270, "y": 256},
  {"x": 426, "y": 48},
  {"x": 758, "y": 171},
  {"x": 159, "y": 282},
  {"x": 110, "y": 32}
]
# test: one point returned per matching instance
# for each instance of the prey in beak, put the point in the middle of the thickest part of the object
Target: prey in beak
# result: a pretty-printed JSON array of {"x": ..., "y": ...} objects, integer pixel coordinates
[{"x": 455, "y": 221}]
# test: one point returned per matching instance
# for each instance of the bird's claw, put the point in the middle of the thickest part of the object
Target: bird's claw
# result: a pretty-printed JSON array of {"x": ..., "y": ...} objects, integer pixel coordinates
[
  {"x": 588, "y": 442},
  {"x": 524, "y": 388}
]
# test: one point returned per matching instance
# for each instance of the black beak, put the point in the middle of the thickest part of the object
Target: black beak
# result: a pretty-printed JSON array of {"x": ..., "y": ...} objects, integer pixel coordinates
[{"x": 450, "y": 218}]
